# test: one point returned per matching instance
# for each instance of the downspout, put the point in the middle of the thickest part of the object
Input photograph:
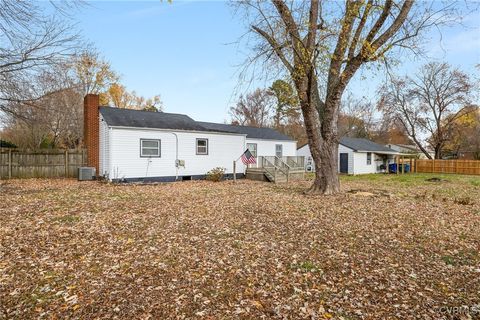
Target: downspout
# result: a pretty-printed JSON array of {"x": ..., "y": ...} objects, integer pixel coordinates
[{"x": 176, "y": 155}]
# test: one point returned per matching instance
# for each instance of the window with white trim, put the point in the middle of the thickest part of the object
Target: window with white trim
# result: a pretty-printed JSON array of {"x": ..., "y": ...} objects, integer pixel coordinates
[
  {"x": 202, "y": 146},
  {"x": 150, "y": 148},
  {"x": 253, "y": 149},
  {"x": 279, "y": 150},
  {"x": 369, "y": 158}
]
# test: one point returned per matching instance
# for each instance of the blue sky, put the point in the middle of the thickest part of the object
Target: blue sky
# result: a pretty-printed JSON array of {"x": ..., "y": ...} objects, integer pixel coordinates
[{"x": 184, "y": 52}]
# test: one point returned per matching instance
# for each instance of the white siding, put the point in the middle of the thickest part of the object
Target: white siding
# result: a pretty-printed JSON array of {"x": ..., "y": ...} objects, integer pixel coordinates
[
  {"x": 361, "y": 166},
  {"x": 267, "y": 147},
  {"x": 104, "y": 152},
  {"x": 305, "y": 152},
  {"x": 360, "y": 163},
  {"x": 351, "y": 157},
  {"x": 126, "y": 162}
]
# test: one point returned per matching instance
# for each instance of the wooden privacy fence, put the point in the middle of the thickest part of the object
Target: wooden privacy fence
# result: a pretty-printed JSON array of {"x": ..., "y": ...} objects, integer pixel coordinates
[
  {"x": 15, "y": 163},
  {"x": 448, "y": 166},
  {"x": 443, "y": 166}
]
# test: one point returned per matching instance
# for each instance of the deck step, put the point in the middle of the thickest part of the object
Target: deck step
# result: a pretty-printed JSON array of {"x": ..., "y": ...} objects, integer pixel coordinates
[{"x": 280, "y": 176}]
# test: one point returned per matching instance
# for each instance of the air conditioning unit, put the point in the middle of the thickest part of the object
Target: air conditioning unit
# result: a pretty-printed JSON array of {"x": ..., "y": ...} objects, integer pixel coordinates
[{"x": 86, "y": 173}]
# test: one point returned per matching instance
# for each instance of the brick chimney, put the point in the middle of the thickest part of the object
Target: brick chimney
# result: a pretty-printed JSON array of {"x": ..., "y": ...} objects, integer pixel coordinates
[{"x": 91, "y": 130}]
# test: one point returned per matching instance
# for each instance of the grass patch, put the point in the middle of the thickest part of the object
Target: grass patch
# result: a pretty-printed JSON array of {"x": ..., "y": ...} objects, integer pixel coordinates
[
  {"x": 307, "y": 266},
  {"x": 475, "y": 182},
  {"x": 463, "y": 258},
  {"x": 449, "y": 260},
  {"x": 68, "y": 219}
]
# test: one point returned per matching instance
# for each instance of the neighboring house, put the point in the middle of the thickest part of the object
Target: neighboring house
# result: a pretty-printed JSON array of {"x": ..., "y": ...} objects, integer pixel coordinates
[
  {"x": 410, "y": 149},
  {"x": 134, "y": 145},
  {"x": 356, "y": 156}
]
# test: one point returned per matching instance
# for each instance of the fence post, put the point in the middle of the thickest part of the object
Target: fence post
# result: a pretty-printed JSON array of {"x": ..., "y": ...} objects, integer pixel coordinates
[
  {"x": 433, "y": 165},
  {"x": 66, "y": 163},
  {"x": 10, "y": 164}
]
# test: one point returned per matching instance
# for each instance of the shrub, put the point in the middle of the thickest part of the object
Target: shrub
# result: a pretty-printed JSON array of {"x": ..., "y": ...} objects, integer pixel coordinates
[
  {"x": 216, "y": 174},
  {"x": 6, "y": 144}
]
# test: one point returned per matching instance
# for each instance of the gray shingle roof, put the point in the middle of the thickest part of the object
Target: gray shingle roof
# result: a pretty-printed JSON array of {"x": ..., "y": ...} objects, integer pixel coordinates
[
  {"x": 147, "y": 119},
  {"x": 251, "y": 132},
  {"x": 162, "y": 120},
  {"x": 359, "y": 144}
]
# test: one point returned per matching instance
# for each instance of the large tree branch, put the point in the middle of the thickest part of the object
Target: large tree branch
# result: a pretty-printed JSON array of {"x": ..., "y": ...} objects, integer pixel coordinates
[
  {"x": 275, "y": 46},
  {"x": 342, "y": 43},
  {"x": 380, "y": 21},
  {"x": 395, "y": 26},
  {"x": 358, "y": 31},
  {"x": 288, "y": 20},
  {"x": 312, "y": 26}
]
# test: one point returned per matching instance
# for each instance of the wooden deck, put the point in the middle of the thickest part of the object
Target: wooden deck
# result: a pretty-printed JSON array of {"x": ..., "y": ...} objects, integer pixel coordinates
[{"x": 276, "y": 169}]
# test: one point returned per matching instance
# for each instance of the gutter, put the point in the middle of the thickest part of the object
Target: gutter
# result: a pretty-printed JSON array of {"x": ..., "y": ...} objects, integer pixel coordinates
[{"x": 178, "y": 130}]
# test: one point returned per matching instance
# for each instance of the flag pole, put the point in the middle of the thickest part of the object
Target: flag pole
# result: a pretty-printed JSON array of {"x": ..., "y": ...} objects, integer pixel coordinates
[{"x": 235, "y": 168}]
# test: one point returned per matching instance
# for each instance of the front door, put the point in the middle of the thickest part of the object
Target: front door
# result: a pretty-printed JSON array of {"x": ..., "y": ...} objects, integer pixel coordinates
[{"x": 343, "y": 162}]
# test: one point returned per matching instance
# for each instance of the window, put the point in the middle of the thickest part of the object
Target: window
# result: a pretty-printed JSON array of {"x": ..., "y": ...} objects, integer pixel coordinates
[
  {"x": 202, "y": 146},
  {"x": 279, "y": 150},
  {"x": 253, "y": 149},
  {"x": 149, "y": 148},
  {"x": 369, "y": 158}
]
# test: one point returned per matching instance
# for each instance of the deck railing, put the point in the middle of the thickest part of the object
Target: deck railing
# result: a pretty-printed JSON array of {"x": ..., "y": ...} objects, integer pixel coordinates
[
  {"x": 295, "y": 162},
  {"x": 280, "y": 166},
  {"x": 291, "y": 162}
]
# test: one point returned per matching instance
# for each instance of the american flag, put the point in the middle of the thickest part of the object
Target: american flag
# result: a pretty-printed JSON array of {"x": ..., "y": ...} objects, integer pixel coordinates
[{"x": 248, "y": 158}]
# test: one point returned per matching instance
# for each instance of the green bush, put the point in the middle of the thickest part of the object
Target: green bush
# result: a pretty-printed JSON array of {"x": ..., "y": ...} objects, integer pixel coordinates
[
  {"x": 216, "y": 174},
  {"x": 6, "y": 144}
]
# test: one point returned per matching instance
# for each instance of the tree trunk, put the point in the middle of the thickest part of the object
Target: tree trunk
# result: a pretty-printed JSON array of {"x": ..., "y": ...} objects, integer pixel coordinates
[
  {"x": 438, "y": 152},
  {"x": 419, "y": 145},
  {"x": 326, "y": 174},
  {"x": 321, "y": 128}
]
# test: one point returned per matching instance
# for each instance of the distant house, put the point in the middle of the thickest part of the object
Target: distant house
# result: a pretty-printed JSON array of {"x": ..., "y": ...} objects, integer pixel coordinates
[
  {"x": 410, "y": 149},
  {"x": 137, "y": 145},
  {"x": 356, "y": 156}
]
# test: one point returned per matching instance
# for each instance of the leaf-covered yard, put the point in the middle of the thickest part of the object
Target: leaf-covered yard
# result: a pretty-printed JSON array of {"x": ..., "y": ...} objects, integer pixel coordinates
[{"x": 386, "y": 247}]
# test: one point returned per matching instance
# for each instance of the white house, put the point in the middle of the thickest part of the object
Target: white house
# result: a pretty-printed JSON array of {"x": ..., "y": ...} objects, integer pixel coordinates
[
  {"x": 411, "y": 150},
  {"x": 134, "y": 145},
  {"x": 356, "y": 156}
]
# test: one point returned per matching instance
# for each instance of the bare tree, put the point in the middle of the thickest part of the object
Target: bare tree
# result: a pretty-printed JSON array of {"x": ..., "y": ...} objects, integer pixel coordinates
[
  {"x": 440, "y": 91},
  {"x": 428, "y": 103},
  {"x": 52, "y": 120},
  {"x": 356, "y": 118},
  {"x": 397, "y": 105},
  {"x": 323, "y": 44},
  {"x": 253, "y": 109},
  {"x": 30, "y": 40}
]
